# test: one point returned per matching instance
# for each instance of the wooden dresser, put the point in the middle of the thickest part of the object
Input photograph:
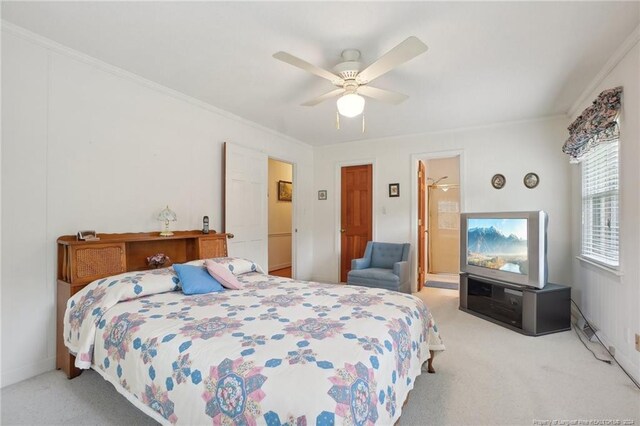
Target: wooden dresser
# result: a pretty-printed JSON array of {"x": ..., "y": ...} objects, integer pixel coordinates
[{"x": 81, "y": 262}]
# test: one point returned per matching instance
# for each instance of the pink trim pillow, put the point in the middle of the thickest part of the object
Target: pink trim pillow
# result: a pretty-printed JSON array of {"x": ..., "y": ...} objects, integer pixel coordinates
[{"x": 223, "y": 275}]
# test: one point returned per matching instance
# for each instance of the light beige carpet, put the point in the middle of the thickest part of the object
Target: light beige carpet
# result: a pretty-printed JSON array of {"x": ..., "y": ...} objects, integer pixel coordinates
[
  {"x": 488, "y": 375},
  {"x": 491, "y": 375}
]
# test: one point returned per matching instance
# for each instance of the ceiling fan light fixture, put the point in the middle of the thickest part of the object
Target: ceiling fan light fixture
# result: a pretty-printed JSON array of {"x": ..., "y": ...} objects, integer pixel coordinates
[{"x": 350, "y": 105}]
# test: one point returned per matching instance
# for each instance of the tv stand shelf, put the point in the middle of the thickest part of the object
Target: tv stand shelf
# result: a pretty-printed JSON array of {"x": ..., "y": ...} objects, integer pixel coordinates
[{"x": 527, "y": 310}]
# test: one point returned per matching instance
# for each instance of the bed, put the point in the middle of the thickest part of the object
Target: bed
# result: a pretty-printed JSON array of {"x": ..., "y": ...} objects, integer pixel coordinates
[{"x": 278, "y": 351}]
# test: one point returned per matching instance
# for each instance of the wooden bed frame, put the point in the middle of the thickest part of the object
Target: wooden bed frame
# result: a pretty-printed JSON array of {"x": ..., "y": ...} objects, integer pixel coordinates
[{"x": 81, "y": 262}]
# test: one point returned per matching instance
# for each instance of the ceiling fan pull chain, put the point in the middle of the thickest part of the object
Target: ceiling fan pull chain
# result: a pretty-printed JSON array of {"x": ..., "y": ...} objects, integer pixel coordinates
[
  {"x": 337, "y": 121},
  {"x": 363, "y": 125}
]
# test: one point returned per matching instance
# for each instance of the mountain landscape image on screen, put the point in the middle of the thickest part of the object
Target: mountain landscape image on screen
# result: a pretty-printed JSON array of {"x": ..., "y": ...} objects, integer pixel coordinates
[{"x": 491, "y": 244}]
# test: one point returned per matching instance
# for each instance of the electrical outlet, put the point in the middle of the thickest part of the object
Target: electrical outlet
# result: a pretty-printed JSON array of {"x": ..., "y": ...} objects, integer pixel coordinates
[{"x": 637, "y": 342}]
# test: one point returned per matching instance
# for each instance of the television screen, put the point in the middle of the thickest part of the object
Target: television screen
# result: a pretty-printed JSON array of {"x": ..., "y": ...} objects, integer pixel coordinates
[{"x": 499, "y": 244}]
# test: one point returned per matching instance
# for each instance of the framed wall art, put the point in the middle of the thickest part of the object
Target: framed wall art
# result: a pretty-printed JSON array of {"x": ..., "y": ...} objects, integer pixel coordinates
[
  {"x": 394, "y": 190},
  {"x": 285, "y": 190}
]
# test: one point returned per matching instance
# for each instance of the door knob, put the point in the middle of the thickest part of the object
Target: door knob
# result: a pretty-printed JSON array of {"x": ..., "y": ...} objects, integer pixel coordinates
[{"x": 343, "y": 230}]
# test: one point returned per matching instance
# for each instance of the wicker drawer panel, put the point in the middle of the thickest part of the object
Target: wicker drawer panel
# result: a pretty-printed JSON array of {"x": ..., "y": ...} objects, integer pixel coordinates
[
  {"x": 98, "y": 261},
  {"x": 213, "y": 247}
]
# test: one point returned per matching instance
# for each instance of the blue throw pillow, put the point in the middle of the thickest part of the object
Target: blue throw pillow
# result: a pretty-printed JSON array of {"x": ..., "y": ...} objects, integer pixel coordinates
[{"x": 196, "y": 279}]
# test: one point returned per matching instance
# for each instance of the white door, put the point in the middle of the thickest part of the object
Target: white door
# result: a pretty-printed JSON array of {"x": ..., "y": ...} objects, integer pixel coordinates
[{"x": 246, "y": 203}]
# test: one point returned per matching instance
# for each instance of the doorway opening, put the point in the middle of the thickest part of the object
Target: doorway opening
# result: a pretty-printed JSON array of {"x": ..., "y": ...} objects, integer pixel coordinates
[
  {"x": 280, "y": 215},
  {"x": 439, "y": 222}
]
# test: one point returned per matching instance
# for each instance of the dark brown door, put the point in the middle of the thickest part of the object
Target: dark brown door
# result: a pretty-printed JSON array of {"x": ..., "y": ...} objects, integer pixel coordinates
[
  {"x": 356, "y": 209},
  {"x": 422, "y": 228}
]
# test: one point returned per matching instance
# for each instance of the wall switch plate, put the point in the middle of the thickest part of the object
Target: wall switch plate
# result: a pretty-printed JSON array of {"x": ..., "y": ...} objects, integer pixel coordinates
[{"x": 637, "y": 342}]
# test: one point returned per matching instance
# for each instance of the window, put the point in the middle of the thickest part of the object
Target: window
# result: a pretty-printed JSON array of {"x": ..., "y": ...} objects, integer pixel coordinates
[{"x": 600, "y": 205}]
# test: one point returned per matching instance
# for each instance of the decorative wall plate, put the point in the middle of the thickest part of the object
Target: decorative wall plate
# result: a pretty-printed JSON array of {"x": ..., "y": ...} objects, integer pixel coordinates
[
  {"x": 531, "y": 180},
  {"x": 498, "y": 181}
]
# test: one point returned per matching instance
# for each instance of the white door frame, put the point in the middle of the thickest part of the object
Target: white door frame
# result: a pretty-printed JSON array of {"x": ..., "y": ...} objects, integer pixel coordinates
[
  {"x": 294, "y": 214},
  {"x": 338, "y": 209},
  {"x": 425, "y": 156}
]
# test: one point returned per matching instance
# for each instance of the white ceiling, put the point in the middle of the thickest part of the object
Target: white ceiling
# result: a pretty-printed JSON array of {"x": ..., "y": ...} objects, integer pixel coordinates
[{"x": 487, "y": 62}]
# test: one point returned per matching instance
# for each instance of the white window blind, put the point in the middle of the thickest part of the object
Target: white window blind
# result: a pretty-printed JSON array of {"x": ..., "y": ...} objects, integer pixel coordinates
[{"x": 600, "y": 204}]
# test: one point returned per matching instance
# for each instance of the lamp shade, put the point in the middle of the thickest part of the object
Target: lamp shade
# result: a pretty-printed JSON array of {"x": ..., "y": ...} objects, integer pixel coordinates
[
  {"x": 350, "y": 105},
  {"x": 167, "y": 214}
]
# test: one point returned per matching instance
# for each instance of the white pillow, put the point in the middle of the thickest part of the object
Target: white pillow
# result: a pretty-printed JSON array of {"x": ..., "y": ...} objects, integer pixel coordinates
[{"x": 238, "y": 265}]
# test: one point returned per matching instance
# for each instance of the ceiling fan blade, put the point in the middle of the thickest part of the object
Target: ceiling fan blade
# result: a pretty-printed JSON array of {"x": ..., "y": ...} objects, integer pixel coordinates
[
  {"x": 322, "y": 98},
  {"x": 404, "y": 52},
  {"x": 382, "y": 95},
  {"x": 302, "y": 64}
]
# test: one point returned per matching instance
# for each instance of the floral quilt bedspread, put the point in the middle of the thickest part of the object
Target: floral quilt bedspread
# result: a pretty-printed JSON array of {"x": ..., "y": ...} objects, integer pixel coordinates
[{"x": 277, "y": 352}]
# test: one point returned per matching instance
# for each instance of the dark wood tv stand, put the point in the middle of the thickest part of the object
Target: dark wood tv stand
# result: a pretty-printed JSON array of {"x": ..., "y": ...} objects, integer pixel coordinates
[{"x": 527, "y": 310}]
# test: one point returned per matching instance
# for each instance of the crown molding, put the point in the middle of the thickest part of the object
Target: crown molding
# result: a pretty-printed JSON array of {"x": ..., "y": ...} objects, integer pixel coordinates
[
  {"x": 613, "y": 61},
  {"x": 54, "y": 46},
  {"x": 453, "y": 130}
]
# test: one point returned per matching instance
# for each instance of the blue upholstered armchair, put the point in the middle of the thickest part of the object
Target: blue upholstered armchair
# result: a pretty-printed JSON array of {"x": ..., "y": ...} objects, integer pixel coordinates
[{"x": 384, "y": 265}]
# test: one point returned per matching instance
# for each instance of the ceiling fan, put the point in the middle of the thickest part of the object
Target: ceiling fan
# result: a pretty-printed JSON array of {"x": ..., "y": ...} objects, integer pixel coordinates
[{"x": 353, "y": 81}]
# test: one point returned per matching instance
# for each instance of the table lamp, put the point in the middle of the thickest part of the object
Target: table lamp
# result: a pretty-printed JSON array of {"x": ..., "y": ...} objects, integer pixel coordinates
[{"x": 167, "y": 215}]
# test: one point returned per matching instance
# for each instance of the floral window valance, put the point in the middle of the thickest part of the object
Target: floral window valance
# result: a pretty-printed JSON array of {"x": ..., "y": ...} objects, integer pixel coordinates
[{"x": 597, "y": 124}]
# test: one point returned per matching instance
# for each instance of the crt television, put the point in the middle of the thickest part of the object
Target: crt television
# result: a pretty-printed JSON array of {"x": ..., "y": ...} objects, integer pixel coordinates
[{"x": 506, "y": 246}]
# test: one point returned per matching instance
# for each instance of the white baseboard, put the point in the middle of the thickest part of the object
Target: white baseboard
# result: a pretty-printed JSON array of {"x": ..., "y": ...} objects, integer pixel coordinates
[
  {"x": 25, "y": 372},
  {"x": 323, "y": 279},
  {"x": 623, "y": 360}
]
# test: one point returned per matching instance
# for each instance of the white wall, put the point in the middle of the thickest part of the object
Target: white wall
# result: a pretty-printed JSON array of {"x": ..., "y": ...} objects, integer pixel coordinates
[
  {"x": 511, "y": 149},
  {"x": 611, "y": 302},
  {"x": 89, "y": 146},
  {"x": 279, "y": 217}
]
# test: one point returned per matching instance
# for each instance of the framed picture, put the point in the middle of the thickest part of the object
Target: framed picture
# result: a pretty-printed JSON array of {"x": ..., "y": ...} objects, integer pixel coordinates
[
  {"x": 87, "y": 236},
  {"x": 394, "y": 190},
  {"x": 322, "y": 194},
  {"x": 285, "y": 190}
]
